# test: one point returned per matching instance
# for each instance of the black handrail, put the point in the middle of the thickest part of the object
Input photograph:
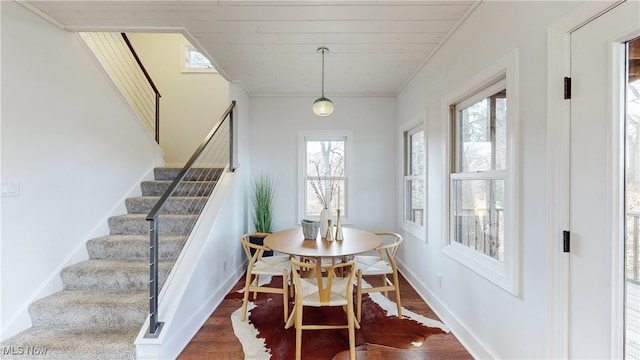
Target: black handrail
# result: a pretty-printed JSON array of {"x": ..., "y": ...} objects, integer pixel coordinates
[
  {"x": 151, "y": 83},
  {"x": 154, "y": 324}
]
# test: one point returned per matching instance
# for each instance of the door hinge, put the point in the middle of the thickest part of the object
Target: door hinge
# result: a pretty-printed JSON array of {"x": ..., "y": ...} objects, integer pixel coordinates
[
  {"x": 567, "y": 88},
  {"x": 566, "y": 241}
]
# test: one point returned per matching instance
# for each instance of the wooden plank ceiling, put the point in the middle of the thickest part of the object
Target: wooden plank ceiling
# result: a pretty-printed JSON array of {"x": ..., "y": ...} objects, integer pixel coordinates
[{"x": 270, "y": 47}]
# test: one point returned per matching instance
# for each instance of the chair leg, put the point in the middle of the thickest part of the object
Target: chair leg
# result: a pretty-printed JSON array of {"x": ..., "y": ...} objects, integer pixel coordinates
[
  {"x": 255, "y": 293},
  {"x": 291, "y": 320},
  {"x": 385, "y": 282},
  {"x": 285, "y": 294},
  {"x": 298, "y": 321},
  {"x": 352, "y": 331},
  {"x": 398, "y": 302},
  {"x": 359, "y": 297},
  {"x": 245, "y": 299}
]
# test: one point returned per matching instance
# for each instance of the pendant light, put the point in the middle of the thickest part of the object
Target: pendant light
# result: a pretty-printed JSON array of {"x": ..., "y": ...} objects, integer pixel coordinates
[{"x": 322, "y": 106}]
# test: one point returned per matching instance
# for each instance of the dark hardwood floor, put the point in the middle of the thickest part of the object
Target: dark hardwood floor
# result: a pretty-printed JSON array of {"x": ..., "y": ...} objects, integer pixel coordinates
[{"x": 216, "y": 340}]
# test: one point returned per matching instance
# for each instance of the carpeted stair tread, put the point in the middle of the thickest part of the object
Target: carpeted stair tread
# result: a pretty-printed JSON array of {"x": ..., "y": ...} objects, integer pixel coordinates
[
  {"x": 175, "y": 205},
  {"x": 73, "y": 343},
  {"x": 105, "y": 300},
  {"x": 196, "y": 174},
  {"x": 137, "y": 224},
  {"x": 133, "y": 247},
  {"x": 189, "y": 188},
  {"x": 111, "y": 275},
  {"x": 75, "y": 308}
]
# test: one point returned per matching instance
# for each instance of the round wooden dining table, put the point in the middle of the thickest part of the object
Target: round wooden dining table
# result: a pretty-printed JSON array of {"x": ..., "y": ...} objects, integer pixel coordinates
[{"x": 292, "y": 242}]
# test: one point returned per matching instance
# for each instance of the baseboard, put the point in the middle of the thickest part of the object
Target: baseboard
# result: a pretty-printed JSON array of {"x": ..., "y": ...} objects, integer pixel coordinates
[{"x": 457, "y": 327}]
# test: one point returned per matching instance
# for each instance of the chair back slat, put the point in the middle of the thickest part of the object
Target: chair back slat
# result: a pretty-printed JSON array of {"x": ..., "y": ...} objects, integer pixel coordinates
[
  {"x": 319, "y": 270},
  {"x": 334, "y": 289},
  {"x": 248, "y": 246},
  {"x": 390, "y": 249}
]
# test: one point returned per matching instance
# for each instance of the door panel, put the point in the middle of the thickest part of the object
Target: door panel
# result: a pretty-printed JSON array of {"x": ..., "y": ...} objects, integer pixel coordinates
[{"x": 592, "y": 175}]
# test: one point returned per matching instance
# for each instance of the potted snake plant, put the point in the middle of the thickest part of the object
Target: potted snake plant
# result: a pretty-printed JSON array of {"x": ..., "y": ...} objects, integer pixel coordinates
[{"x": 263, "y": 190}]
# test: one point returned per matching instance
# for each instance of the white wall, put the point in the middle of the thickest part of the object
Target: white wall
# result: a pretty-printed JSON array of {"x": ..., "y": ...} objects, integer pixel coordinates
[
  {"x": 242, "y": 139},
  {"x": 76, "y": 149},
  {"x": 275, "y": 124},
  {"x": 496, "y": 323},
  {"x": 191, "y": 103}
]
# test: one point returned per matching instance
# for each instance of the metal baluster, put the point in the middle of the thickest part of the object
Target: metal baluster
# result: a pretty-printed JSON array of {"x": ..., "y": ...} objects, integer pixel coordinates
[{"x": 154, "y": 325}]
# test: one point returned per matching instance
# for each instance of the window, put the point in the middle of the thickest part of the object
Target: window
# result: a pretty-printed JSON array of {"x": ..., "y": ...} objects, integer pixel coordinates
[
  {"x": 477, "y": 179},
  {"x": 482, "y": 177},
  {"x": 632, "y": 197},
  {"x": 323, "y": 175},
  {"x": 413, "y": 181},
  {"x": 195, "y": 61}
]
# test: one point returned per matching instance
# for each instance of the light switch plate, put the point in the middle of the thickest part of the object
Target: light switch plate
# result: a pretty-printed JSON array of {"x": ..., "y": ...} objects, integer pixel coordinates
[{"x": 10, "y": 187}]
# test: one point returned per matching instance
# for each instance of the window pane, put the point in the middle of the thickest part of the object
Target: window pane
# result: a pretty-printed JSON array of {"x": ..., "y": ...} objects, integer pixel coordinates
[
  {"x": 325, "y": 158},
  {"x": 414, "y": 211},
  {"x": 478, "y": 215},
  {"x": 482, "y": 134},
  {"x": 196, "y": 59},
  {"x": 416, "y": 151},
  {"x": 501, "y": 132},
  {"x": 315, "y": 205},
  {"x": 325, "y": 175},
  {"x": 632, "y": 204}
]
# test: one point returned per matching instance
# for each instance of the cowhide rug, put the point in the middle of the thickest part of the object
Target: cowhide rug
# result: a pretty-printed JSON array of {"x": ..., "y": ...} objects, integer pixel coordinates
[{"x": 263, "y": 335}]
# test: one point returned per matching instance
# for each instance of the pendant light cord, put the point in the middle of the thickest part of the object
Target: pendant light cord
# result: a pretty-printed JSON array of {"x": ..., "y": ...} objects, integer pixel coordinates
[
  {"x": 322, "y": 72},
  {"x": 323, "y": 49}
]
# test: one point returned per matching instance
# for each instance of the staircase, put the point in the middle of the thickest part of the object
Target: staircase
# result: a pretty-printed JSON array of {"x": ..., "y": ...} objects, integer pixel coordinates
[{"x": 105, "y": 300}]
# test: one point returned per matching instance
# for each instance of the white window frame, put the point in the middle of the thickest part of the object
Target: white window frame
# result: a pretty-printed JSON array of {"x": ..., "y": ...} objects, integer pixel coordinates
[
  {"x": 414, "y": 125},
  {"x": 504, "y": 274},
  {"x": 318, "y": 135}
]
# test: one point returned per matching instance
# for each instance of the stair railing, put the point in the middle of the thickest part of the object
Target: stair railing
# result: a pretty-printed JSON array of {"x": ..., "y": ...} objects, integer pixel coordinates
[
  {"x": 213, "y": 154},
  {"x": 151, "y": 83},
  {"x": 121, "y": 62}
]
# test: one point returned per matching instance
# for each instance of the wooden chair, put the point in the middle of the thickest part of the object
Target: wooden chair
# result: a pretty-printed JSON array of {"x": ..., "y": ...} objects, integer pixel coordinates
[
  {"x": 323, "y": 288},
  {"x": 383, "y": 265},
  {"x": 268, "y": 265}
]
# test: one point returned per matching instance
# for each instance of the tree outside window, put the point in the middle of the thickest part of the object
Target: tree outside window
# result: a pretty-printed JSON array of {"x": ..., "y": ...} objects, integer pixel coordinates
[
  {"x": 414, "y": 177},
  {"x": 478, "y": 178},
  {"x": 195, "y": 62},
  {"x": 325, "y": 175}
]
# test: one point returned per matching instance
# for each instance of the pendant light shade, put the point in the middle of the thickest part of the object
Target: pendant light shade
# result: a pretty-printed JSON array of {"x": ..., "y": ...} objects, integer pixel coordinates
[{"x": 322, "y": 106}]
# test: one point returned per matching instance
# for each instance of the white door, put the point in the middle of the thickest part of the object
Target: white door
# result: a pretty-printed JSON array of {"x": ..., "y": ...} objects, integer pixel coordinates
[{"x": 595, "y": 171}]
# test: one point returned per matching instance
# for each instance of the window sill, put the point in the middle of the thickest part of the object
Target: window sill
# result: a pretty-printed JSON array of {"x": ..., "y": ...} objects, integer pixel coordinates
[
  {"x": 491, "y": 269},
  {"x": 198, "y": 71},
  {"x": 414, "y": 230}
]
